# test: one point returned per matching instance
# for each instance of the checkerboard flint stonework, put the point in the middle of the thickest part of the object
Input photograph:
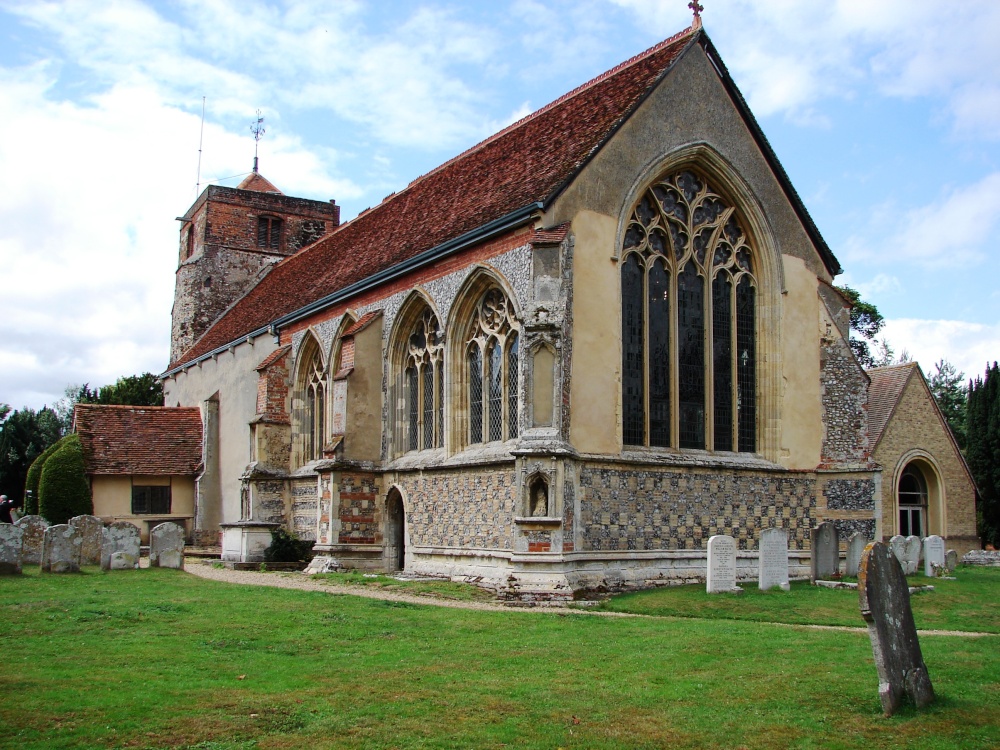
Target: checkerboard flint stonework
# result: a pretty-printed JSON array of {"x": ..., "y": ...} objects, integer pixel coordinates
[{"x": 635, "y": 509}]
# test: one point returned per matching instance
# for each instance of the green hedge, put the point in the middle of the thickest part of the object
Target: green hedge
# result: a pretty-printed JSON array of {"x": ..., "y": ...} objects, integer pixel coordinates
[
  {"x": 34, "y": 476},
  {"x": 63, "y": 490}
]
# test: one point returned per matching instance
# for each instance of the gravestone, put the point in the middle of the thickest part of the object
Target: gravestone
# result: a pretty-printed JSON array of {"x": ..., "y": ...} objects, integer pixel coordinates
[
  {"x": 951, "y": 560},
  {"x": 825, "y": 551},
  {"x": 10, "y": 549},
  {"x": 898, "y": 546},
  {"x": 933, "y": 555},
  {"x": 92, "y": 533},
  {"x": 911, "y": 555},
  {"x": 121, "y": 546},
  {"x": 855, "y": 548},
  {"x": 773, "y": 563},
  {"x": 33, "y": 528},
  {"x": 721, "y": 565},
  {"x": 61, "y": 549},
  {"x": 166, "y": 546},
  {"x": 884, "y": 597}
]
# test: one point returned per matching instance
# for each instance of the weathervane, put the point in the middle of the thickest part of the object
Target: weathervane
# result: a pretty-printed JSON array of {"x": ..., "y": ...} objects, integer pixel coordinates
[
  {"x": 257, "y": 128},
  {"x": 697, "y": 8}
]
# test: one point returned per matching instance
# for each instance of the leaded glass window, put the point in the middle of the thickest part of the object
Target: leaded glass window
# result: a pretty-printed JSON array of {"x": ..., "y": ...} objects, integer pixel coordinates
[
  {"x": 688, "y": 320},
  {"x": 423, "y": 383},
  {"x": 492, "y": 361},
  {"x": 315, "y": 407}
]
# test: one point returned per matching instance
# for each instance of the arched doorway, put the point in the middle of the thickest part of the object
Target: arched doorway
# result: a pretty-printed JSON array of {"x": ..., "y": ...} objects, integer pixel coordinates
[
  {"x": 912, "y": 498},
  {"x": 395, "y": 528}
]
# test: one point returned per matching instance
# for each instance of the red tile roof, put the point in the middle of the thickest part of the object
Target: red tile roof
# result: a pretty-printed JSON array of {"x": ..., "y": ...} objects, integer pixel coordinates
[
  {"x": 153, "y": 440},
  {"x": 258, "y": 183},
  {"x": 274, "y": 356},
  {"x": 363, "y": 322},
  {"x": 528, "y": 162},
  {"x": 887, "y": 386},
  {"x": 550, "y": 236}
]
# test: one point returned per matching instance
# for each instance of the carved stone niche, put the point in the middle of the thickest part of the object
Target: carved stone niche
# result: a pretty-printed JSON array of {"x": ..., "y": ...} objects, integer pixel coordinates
[{"x": 539, "y": 495}]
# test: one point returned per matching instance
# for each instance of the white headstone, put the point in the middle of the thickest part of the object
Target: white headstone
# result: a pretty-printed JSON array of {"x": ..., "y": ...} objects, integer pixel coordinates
[
  {"x": 911, "y": 554},
  {"x": 166, "y": 546},
  {"x": 91, "y": 530},
  {"x": 855, "y": 548},
  {"x": 11, "y": 538},
  {"x": 898, "y": 546},
  {"x": 33, "y": 539},
  {"x": 61, "y": 549},
  {"x": 933, "y": 555},
  {"x": 773, "y": 563},
  {"x": 121, "y": 546},
  {"x": 721, "y": 564}
]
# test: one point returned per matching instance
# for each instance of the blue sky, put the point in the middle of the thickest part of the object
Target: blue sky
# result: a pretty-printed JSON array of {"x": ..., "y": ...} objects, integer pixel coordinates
[{"x": 885, "y": 115}]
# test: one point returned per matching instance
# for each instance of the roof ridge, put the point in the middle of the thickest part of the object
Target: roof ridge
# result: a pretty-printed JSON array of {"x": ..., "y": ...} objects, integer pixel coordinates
[{"x": 130, "y": 406}]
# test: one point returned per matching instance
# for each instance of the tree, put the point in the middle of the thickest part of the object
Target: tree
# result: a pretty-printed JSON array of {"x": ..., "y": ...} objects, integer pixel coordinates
[
  {"x": 63, "y": 490},
  {"x": 34, "y": 476},
  {"x": 952, "y": 395},
  {"x": 866, "y": 321},
  {"x": 983, "y": 451},
  {"x": 23, "y": 436},
  {"x": 131, "y": 390}
]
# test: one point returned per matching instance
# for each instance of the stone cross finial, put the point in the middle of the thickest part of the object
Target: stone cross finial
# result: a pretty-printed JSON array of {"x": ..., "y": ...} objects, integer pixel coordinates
[{"x": 697, "y": 8}]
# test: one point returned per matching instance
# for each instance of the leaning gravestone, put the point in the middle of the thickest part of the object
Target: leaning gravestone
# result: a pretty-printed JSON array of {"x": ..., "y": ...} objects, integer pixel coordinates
[
  {"x": 166, "y": 546},
  {"x": 911, "y": 555},
  {"x": 33, "y": 539},
  {"x": 933, "y": 555},
  {"x": 825, "y": 551},
  {"x": 61, "y": 549},
  {"x": 721, "y": 565},
  {"x": 855, "y": 548},
  {"x": 951, "y": 560},
  {"x": 898, "y": 546},
  {"x": 10, "y": 549},
  {"x": 91, "y": 530},
  {"x": 121, "y": 546},
  {"x": 773, "y": 562},
  {"x": 884, "y": 596}
]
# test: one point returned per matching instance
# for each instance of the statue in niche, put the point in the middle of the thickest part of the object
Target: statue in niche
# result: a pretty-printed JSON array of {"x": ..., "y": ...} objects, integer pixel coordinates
[{"x": 539, "y": 500}]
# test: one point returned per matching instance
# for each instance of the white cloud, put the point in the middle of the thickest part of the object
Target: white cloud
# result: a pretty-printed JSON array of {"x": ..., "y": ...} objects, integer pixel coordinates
[{"x": 968, "y": 346}]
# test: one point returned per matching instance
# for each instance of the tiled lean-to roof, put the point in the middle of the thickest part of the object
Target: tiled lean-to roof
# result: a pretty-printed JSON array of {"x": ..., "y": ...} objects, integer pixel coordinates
[
  {"x": 150, "y": 440},
  {"x": 887, "y": 386},
  {"x": 503, "y": 179}
]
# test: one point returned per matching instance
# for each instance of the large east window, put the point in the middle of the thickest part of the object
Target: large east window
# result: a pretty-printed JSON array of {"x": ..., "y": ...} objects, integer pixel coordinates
[
  {"x": 491, "y": 353},
  {"x": 688, "y": 321}
]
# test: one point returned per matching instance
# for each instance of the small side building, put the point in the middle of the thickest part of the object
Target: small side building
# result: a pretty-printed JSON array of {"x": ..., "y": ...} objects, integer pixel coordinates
[
  {"x": 926, "y": 485},
  {"x": 143, "y": 462}
]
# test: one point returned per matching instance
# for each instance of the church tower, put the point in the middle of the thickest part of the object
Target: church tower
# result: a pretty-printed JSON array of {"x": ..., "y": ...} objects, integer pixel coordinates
[{"x": 229, "y": 239}]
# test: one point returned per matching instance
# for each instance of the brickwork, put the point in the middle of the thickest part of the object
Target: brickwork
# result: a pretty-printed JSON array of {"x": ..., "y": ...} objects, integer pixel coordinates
[
  {"x": 474, "y": 508},
  {"x": 916, "y": 428},
  {"x": 657, "y": 509},
  {"x": 272, "y": 388},
  {"x": 844, "y": 389},
  {"x": 325, "y": 508},
  {"x": 359, "y": 516}
]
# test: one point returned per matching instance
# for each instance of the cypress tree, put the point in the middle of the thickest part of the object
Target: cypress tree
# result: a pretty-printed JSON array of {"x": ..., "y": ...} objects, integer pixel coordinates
[
  {"x": 983, "y": 451},
  {"x": 63, "y": 490},
  {"x": 34, "y": 476}
]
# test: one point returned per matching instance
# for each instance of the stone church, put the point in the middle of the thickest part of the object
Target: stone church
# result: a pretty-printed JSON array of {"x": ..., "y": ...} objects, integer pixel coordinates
[{"x": 561, "y": 360}]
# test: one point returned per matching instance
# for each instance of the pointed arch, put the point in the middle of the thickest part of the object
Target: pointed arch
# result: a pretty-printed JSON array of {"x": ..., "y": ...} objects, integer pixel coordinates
[
  {"x": 484, "y": 357},
  {"x": 310, "y": 401}
]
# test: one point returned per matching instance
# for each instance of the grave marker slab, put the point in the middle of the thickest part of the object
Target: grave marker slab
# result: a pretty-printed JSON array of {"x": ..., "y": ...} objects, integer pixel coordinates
[
  {"x": 121, "y": 546},
  {"x": 933, "y": 555},
  {"x": 951, "y": 560},
  {"x": 91, "y": 530},
  {"x": 166, "y": 546},
  {"x": 773, "y": 564},
  {"x": 898, "y": 546},
  {"x": 33, "y": 538},
  {"x": 721, "y": 565},
  {"x": 11, "y": 540},
  {"x": 911, "y": 555},
  {"x": 855, "y": 548},
  {"x": 825, "y": 555},
  {"x": 61, "y": 549},
  {"x": 884, "y": 598}
]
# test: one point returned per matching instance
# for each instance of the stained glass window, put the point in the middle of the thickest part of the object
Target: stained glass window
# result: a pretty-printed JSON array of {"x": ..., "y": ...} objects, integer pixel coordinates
[{"x": 493, "y": 366}]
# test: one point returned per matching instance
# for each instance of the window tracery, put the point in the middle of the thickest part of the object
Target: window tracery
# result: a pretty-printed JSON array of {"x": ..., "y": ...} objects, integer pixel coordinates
[
  {"x": 315, "y": 407},
  {"x": 492, "y": 361},
  {"x": 423, "y": 384},
  {"x": 688, "y": 320}
]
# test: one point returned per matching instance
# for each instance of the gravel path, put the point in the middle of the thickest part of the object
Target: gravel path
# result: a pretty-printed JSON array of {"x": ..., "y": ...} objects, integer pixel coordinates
[{"x": 306, "y": 583}]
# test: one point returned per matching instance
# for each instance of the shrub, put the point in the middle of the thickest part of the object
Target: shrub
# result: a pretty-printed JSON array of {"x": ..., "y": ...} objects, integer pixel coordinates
[
  {"x": 63, "y": 490},
  {"x": 34, "y": 476},
  {"x": 286, "y": 547}
]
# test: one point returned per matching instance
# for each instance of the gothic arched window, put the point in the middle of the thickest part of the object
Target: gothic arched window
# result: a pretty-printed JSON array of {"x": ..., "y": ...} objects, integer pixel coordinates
[
  {"x": 912, "y": 495},
  {"x": 491, "y": 352},
  {"x": 423, "y": 384},
  {"x": 688, "y": 321},
  {"x": 314, "y": 426}
]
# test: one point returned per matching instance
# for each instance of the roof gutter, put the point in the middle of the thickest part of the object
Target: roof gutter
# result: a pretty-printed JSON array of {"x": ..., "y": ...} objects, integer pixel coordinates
[{"x": 484, "y": 232}]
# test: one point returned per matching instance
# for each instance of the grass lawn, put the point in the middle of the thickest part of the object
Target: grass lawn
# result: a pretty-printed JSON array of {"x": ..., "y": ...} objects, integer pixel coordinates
[{"x": 159, "y": 658}]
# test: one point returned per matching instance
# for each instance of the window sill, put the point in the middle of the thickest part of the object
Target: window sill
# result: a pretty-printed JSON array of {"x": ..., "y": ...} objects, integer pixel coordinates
[{"x": 540, "y": 522}]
